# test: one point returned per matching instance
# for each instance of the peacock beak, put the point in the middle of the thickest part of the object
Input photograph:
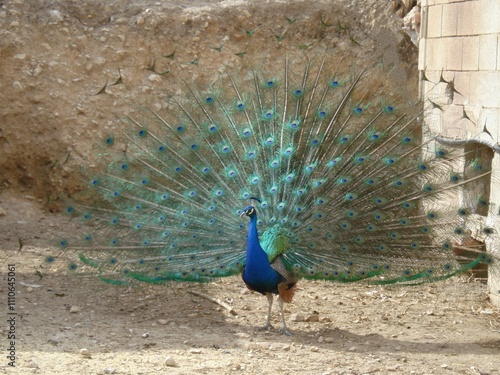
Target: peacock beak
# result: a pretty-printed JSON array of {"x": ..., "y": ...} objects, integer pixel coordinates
[{"x": 248, "y": 211}]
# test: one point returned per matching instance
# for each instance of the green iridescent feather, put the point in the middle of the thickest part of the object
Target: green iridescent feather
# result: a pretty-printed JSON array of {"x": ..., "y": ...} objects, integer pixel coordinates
[{"x": 345, "y": 186}]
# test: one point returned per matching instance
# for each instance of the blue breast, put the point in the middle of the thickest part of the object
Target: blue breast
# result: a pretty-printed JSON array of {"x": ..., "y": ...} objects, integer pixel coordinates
[{"x": 258, "y": 273}]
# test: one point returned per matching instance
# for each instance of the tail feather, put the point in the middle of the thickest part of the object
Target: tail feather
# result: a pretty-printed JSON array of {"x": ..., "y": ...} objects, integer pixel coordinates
[{"x": 347, "y": 189}]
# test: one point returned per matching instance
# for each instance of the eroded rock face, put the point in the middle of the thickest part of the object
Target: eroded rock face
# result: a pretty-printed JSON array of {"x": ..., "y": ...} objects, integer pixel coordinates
[{"x": 69, "y": 70}]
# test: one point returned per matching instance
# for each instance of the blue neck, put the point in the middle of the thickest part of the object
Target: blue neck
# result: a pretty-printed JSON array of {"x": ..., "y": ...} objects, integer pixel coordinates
[
  {"x": 258, "y": 270},
  {"x": 253, "y": 245}
]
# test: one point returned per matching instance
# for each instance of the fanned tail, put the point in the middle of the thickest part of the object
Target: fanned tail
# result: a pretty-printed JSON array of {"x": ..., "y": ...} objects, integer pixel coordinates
[{"x": 347, "y": 189}]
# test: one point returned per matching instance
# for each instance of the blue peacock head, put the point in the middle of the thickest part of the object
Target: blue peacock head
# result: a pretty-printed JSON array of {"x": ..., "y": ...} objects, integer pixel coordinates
[{"x": 249, "y": 211}]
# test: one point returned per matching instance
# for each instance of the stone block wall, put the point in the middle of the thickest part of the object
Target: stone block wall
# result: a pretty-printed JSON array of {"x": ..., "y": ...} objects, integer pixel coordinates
[{"x": 459, "y": 61}]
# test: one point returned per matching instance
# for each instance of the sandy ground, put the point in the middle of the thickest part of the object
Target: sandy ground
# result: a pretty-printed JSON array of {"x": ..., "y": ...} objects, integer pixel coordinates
[{"x": 68, "y": 325}]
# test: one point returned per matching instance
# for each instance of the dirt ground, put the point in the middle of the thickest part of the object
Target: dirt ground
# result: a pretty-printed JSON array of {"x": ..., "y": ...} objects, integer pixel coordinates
[
  {"x": 68, "y": 325},
  {"x": 56, "y": 57}
]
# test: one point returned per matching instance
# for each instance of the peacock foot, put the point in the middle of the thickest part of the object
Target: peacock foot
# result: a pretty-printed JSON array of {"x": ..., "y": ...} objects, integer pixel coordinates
[
  {"x": 266, "y": 327},
  {"x": 285, "y": 331}
]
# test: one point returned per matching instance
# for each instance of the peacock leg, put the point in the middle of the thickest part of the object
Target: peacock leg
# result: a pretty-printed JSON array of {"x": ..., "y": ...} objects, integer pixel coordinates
[
  {"x": 268, "y": 326},
  {"x": 283, "y": 329}
]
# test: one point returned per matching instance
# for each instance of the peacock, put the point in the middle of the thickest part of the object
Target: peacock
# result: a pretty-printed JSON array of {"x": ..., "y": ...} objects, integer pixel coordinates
[{"x": 304, "y": 172}]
